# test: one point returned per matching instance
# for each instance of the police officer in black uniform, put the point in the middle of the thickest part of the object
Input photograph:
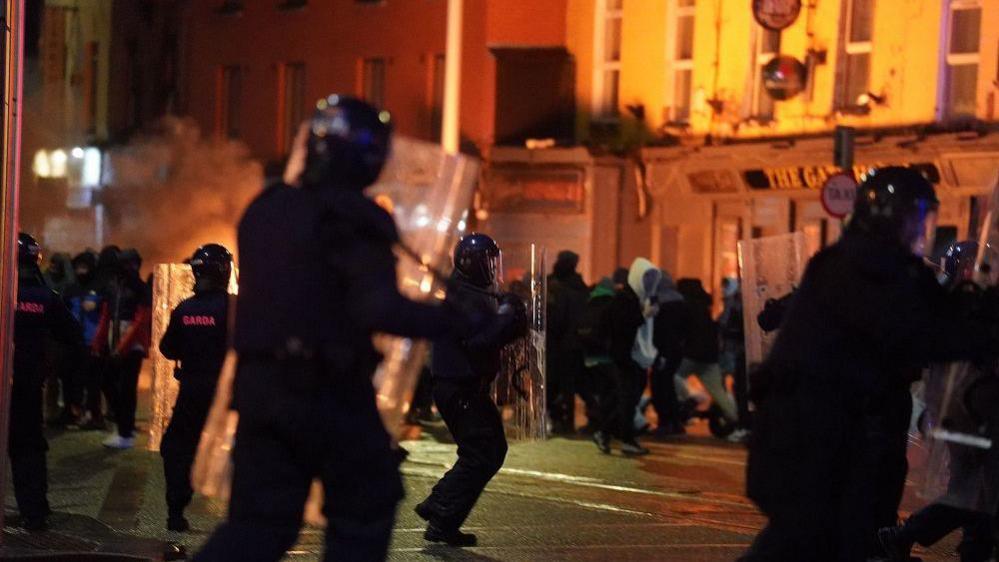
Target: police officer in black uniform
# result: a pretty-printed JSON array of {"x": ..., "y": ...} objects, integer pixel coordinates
[
  {"x": 40, "y": 314},
  {"x": 196, "y": 339},
  {"x": 463, "y": 367},
  {"x": 827, "y": 454},
  {"x": 317, "y": 279}
]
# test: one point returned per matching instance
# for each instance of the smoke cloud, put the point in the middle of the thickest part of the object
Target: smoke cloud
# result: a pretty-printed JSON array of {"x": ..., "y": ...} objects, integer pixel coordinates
[{"x": 172, "y": 190}]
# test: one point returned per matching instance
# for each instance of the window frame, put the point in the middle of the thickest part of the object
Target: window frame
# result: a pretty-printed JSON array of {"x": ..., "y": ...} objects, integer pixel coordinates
[
  {"x": 760, "y": 59},
  {"x": 363, "y": 83},
  {"x": 950, "y": 60},
  {"x": 601, "y": 66},
  {"x": 675, "y": 65},
  {"x": 288, "y": 125},
  {"x": 224, "y": 101},
  {"x": 848, "y": 48}
]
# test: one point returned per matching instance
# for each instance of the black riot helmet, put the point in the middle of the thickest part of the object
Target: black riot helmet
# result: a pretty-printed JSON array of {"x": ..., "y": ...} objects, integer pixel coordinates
[
  {"x": 347, "y": 145},
  {"x": 898, "y": 205},
  {"x": 29, "y": 251},
  {"x": 212, "y": 266},
  {"x": 478, "y": 260}
]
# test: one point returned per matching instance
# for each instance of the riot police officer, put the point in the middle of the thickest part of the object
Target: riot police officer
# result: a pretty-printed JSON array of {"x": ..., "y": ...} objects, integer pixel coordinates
[
  {"x": 463, "y": 368},
  {"x": 827, "y": 455},
  {"x": 196, "y": 339},
  {"x": 317, "y": 278},
  {"x": 40, "y": 314}
]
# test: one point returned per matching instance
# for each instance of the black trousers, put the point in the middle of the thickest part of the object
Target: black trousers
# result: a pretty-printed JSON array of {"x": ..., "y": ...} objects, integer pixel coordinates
[
  {"x": 477, "y": 428},
  {"x": 935, "y": 521},
  {"x": 91, "y": 370},
  {"x": 664, "y": 399},
  {"x": 299, "y": 421},
  {"x": 123, "y": 382},
  {"x": 563, "y": 371},
  {"x": 617, "y": 406},
  {"x": 180, "y": 443},
  {"x": 27, "y": 446}
]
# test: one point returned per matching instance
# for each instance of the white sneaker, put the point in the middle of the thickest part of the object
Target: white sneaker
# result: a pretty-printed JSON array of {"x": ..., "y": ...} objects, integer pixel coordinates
[
  {"x": 738, "y": 436},
  {"x": 118, "y": 442}
]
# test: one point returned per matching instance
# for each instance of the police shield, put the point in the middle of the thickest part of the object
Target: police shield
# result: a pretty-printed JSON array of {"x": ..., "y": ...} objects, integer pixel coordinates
[
  {"x": 519, "y": 389},
  {"x": 956, "y": 453},
  {"x": 428, "y": 191},
  {"x": 771, "y": 267},
  {"x": 172, "y": 283}
]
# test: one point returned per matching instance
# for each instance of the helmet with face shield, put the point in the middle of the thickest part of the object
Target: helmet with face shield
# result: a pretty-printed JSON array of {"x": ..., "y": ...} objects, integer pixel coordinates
[
  {"x": 898, "y": 205},
  {"x": 478, "y": 260}
]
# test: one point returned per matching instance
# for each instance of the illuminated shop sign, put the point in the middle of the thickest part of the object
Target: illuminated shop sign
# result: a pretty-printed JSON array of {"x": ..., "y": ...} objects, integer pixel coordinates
[
  {"x": 813, "y": 177},
  {"x": 534, "y": 191}
]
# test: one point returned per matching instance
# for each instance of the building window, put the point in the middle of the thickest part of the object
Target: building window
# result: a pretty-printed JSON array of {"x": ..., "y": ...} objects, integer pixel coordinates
[
  {"x": 680, "y": 58},
  {"x": 767, "y": 47},
  {"x": 291, "y": 104},
  {"x": 962, "y": 34},
  {"x": 607, "y": 57},
  {"x": 228, "y": 94},
  {"x": 373, "y": 81},
  {"x": 855, "y": 67},
  {"x": 437, "y": 97},
  {"x": 90, "y": 81}
]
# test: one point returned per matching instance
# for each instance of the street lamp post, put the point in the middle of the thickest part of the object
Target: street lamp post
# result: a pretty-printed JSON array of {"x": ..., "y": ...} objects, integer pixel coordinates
[{"x": 452, "y": 77}]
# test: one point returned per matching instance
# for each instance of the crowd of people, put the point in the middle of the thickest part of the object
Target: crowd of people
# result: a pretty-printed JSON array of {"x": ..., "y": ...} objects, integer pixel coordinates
[{"x": 639, "y": 330}]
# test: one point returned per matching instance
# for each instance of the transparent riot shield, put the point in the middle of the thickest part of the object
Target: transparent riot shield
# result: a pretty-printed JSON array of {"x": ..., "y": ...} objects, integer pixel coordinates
[
  {"x": 771, "y": 267},
  {"x": 428, "y": 192},
  {"x": 955, "y": 456},
  {"x": 172, "y": 283},
  {"x": 519, "y": 389}
]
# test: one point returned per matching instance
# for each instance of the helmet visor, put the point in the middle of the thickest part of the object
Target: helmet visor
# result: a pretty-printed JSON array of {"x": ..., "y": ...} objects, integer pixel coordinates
[{"x": 921, "y": 229}]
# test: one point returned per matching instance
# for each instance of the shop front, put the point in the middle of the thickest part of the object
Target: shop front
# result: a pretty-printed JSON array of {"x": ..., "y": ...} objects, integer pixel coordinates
[{"x": 706, "y": 199}]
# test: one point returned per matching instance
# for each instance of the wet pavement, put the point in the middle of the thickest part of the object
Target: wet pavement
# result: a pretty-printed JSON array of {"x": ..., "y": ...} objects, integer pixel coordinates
[{"x": 556, "y": 500}]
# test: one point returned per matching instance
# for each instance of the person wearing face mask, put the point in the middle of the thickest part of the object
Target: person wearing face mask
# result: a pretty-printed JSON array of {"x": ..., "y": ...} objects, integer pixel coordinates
[
  {"x": 84, "y": 302},
  {"x": 827, "y": 454}
]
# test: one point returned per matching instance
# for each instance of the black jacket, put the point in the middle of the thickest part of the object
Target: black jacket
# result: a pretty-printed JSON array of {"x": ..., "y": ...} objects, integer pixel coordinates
[
  {"x": 866, "y": 317},
  {"x": 670, "y": 330},
  {"x": 196, "y": 337},
  {"x": 567, "y": 297},
  {"x": 318, "y": 278},
  {"x": 625, "y": 319},
  {"x": 473, "y": 355},
  {"x": 40, "y": 314}
]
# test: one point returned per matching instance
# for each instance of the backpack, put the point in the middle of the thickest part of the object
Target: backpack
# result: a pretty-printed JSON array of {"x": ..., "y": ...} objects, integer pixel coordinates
[{"x": 594, "y": 328}]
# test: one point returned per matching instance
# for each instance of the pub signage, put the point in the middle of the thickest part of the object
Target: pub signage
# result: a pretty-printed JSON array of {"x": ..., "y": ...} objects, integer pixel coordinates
[
  {"x": 776, "y": 15},
  {"x": 782, "y": 178}
]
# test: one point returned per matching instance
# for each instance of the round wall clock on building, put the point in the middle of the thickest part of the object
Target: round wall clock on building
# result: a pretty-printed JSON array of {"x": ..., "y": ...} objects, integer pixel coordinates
[{"x": 776, "y": 15}]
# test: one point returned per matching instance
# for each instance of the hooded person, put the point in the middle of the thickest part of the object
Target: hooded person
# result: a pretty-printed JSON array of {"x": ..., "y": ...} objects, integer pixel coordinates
[
  {"x": 85, "y": 301},
  {"x": 567, "y": 296},
  {"x": 631, "y": 346},
  {"x": 59, "y": 273},
  {"x": 60, "y": 380},
  {"x": 669, "y": 332},
  {"x": 701, "y": 351}
]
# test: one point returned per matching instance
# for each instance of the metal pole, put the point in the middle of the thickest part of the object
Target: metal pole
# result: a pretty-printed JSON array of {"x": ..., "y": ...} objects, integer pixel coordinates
[
  {"x": 450, "y": 131},
  {"x": 10, "y": 168}
]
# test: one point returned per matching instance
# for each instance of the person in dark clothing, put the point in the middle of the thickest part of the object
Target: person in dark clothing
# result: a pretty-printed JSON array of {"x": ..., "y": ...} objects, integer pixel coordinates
[
  {"x": 827, "y": 453},
  {"x": 669, "y": 334},
  {"x": 84, "y": 301},
  {"x": 631, "y": 315},
  {"x": 733, "y": 347},
  {"x": 595, "y": 336},
  {"x": 122, "y": 339},
  {"x": 61, "y": 382},
  {"x": 196, "y": 338},
  {"x": 40, "y": 315},
  {"x": 317, "y": 279},
  {"x": 464, "y": 367},
  {"x": 567, "y": 296},
  {"x": 972, "y": 470},
  {"x": 701, "y": 352}
]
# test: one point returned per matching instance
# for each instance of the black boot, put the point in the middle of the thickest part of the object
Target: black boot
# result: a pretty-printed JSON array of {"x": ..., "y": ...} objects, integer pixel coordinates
[
  {"x": 452, "y": 537},
  {"x": 178, "y": 524}
]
